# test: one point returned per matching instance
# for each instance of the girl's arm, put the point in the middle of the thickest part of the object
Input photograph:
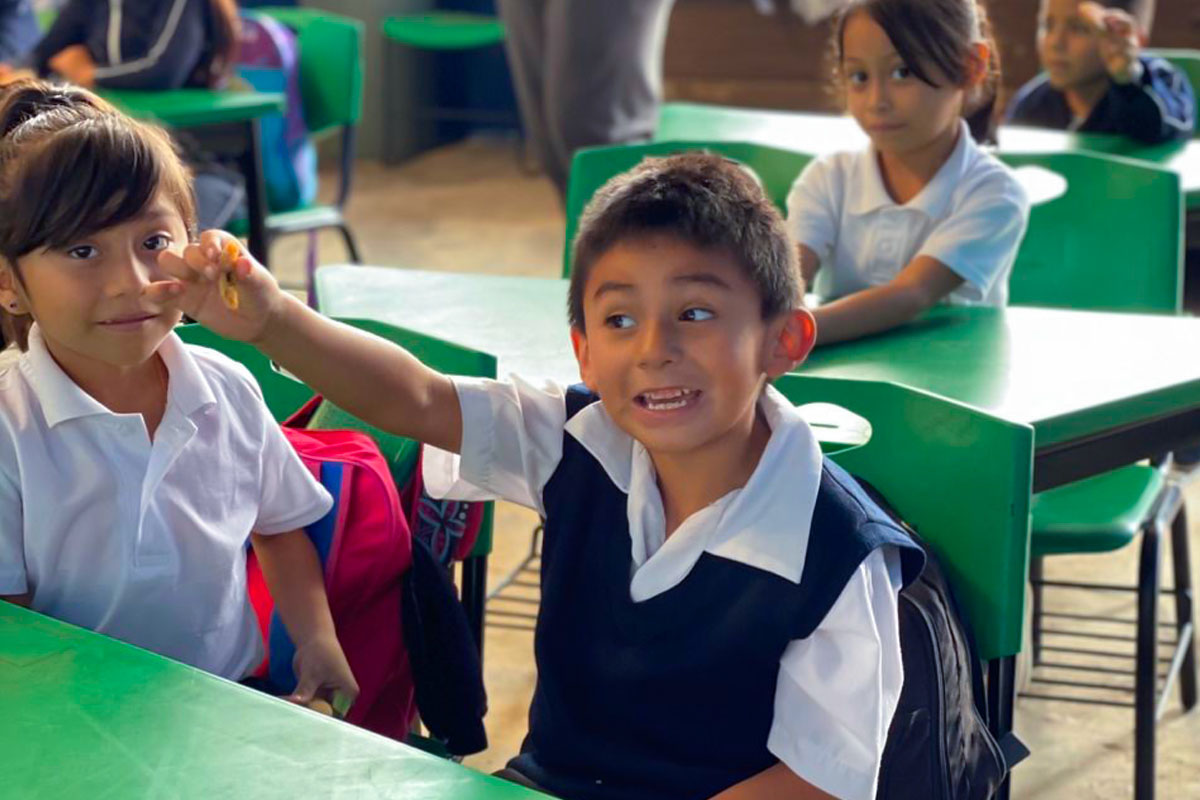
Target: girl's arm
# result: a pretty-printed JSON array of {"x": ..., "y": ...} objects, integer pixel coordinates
[
  {"x": 810, "y": 262},
  {"x": 293, "y": 574},
  {"x": 776, "y": 783},
  {"x": 918, "y": 287},
  {"x": 375, "y": 380}
]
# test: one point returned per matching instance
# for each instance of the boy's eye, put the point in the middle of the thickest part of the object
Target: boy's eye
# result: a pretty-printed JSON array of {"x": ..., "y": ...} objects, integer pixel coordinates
[
  {"x": 82, "y": 252},
  {"x": 159, "y": 241},
  {"x": 619, "y": 321},
  {"x": 901, "y": 73},
  {"x": 696, "y": 315}
]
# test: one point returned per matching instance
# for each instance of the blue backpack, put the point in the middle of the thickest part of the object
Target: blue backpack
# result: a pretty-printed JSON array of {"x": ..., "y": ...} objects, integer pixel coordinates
[{"x": 268, "y": 60}]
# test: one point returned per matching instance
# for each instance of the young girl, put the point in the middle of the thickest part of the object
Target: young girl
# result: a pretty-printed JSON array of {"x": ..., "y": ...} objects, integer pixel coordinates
[
  {"x": 147, "y": 44},
  {"x": 923, "y": 215},
  {"x": 133, "y": 468}
]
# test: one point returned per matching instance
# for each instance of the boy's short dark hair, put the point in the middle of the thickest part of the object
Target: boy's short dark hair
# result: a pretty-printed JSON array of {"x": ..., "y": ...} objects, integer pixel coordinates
[
  {"x": 699, "y": 198},
  {"x": 1141, "y": 10}
]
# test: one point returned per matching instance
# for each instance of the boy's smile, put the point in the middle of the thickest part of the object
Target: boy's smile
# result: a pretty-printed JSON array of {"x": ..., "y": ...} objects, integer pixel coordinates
[{"x": 677, "y": 348}]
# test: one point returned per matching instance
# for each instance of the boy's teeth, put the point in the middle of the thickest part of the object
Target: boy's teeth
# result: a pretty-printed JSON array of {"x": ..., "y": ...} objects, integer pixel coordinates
[{"x": 666, "y": 394}]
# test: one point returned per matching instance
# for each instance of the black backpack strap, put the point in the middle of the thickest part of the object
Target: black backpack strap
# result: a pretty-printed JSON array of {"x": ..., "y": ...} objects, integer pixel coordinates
[
  {"x": 578, "y": 398},
  {"x": 1013, "y": 749}
]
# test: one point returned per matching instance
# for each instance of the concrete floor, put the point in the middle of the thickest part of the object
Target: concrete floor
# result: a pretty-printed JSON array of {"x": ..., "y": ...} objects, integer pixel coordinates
[{"x": 470, "y": 208}]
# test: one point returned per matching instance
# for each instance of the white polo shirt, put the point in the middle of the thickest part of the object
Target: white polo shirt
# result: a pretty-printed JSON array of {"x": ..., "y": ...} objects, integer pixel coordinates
[
  {"x": 970, "y": 217},
  {"x": 837, "y": 689},
  {"x": 142, "y": 541}
]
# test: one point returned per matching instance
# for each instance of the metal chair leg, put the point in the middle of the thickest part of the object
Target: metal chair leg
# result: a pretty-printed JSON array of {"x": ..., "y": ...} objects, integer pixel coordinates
[
  {"x": 1146, "y": 681},
  {"x": 351, "y": 244},
  {"x": 1035, "y": 580},
  {"x": 1184, "y": 608}
]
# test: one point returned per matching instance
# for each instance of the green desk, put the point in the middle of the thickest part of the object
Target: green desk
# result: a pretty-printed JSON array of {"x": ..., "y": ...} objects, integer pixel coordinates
[
  {"x": 86, "y": 716},
  {"x": 1100, "y": 390},
  {"x": 224, "y": 123},
  {"x": 825, "y": 133}
]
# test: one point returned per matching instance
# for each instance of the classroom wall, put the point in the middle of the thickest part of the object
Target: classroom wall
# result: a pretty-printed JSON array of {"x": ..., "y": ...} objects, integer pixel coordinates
[{"x": 724, "y": 51}]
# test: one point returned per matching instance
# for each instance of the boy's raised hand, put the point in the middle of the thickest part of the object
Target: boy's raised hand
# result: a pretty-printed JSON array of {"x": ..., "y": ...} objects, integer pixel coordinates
[
  {"x": 196, "y": 287},
  {"x": 1119, "y": 40}
]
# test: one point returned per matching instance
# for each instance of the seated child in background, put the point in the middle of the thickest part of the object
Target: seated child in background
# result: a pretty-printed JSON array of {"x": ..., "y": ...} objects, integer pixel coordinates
[
  {"x": 1096, "y": 78},
  {"x": 18, "y": 31},
  {"x": 135, "y": 468},
  {"x": 923, "y": 215},
  {"x": 719, "y": 603},
  {"x": 143, "y": 44}
]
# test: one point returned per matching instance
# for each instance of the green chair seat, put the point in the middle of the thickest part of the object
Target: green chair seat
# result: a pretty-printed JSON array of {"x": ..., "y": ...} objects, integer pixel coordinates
[
  {"x": 1095, "y": 515},
  {"x": 445, "y": 31},
  {"x": 400, "y": 452}
]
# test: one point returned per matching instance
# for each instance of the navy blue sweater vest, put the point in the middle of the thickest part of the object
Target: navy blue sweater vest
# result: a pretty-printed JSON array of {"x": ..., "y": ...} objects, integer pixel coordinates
[{"x": 672, "y": 697}]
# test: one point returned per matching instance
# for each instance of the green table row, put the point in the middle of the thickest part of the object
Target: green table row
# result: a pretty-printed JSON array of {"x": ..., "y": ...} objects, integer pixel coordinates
[
  {"x": 224, "y": 123},
  {"x": 1100, "y": 390},
  {"x": 86, "y": 716},
  {"x": 825, "y": 133}
]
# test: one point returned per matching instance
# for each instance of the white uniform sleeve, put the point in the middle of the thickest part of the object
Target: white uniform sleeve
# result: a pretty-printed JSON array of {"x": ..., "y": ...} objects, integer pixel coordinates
[
  {"x": 511, "y": 443},
  {"x": 979, "y": 239},
  {"x": 290, "y": 496},
  {"x": 13, "y": 579},
  {"x": 838, "y": 689},
  {"x": 814, "y": 207}
]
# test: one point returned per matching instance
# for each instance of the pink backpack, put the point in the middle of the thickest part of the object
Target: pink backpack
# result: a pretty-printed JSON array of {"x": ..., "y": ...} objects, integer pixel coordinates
[{"x": 365, "y": 548}]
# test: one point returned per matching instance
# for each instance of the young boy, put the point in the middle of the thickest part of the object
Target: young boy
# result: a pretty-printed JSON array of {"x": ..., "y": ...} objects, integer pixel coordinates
[
  {"x": 1096, "y": 78},
  {"x": 719, "y": 604}
]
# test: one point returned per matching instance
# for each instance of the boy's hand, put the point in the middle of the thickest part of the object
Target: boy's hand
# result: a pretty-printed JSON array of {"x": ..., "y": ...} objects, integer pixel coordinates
[
  {"x": 75, "y": 64},
  {"x": 200, "y": 273},
  {"x": 1117, "y": 34},
  {"x": 323, "y": 672}
]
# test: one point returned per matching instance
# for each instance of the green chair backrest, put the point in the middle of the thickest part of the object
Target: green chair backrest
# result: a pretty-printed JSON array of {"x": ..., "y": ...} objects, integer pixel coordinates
[
  {"x": 1189, "y": 62},
  {"x": 285, "y": 394},
  {"x": 1112, "y": 242},
  {"x": 331, "y": 66},
  {"x": 960, "y": 477},
  {"x": 592, "y": 167}
]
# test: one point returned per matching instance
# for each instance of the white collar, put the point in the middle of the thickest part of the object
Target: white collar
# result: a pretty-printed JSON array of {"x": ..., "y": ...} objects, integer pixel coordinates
[
  {"x": 764, "y": 524},
  {"x": 868, "y": 193},
  {"x": 62, "y": 399}
]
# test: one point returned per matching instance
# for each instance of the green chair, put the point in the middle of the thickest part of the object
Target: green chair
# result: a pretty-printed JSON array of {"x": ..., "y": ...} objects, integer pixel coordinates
[
  {"x": 445, "y": 32},
  {"x": 1189, "y": 62},
  {"x": 1078, "y": 254},
  {"x": 976, "y": 520},
  {"x": 593, "y": 166},
  {"x": 331, "y": 86},
  {"x": 285, "y": 394}
]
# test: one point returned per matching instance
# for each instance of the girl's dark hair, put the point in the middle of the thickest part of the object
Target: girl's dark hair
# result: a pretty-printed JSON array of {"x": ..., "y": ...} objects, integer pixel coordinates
[
  {"x": 699, "y": 198},
  {"x": 941, "y": 33},
  {"x": 72, "y": 165},
  {"x": 217, "y": 69}
]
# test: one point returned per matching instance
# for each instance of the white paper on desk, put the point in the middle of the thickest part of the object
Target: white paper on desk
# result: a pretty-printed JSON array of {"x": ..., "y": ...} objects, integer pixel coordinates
[{"x": 813, "y": 11}]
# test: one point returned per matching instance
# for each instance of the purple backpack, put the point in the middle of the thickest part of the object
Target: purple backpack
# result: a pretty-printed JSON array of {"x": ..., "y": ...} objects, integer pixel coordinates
[{"x": 269, "y": 60}]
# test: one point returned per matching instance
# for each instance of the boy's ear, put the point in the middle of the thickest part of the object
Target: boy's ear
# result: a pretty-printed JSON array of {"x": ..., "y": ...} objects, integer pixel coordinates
[
  {"x": 579, "y": 343},
  {"x": 797, "y": 333},
  {"x": 979, "y": 58}
]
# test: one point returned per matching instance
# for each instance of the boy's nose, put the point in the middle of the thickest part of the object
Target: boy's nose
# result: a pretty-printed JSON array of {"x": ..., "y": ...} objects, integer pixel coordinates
[{"x": 657, "y": 345}]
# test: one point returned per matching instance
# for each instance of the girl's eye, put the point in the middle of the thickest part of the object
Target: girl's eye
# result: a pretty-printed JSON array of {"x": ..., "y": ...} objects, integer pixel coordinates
[
  {"x": 901, "y": 73},
  {"x": 159, "y": 241},
  {"x": 82, "y": 252},
  {"x": 619, "y": 321},
  {"x": 696, "y": 315},
  {"x": 857, "y": 78}
]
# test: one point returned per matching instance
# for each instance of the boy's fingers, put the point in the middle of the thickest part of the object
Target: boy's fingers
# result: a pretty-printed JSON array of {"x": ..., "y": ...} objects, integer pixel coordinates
[
  {"x": 179, "y": 267},
  {"x": 163, "y": 292}
]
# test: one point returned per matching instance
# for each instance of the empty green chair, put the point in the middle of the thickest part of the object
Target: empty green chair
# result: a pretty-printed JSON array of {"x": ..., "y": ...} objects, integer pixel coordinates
[
  {"x": 593, "y": 166},
  {"x": 331, "y": 87},
  {"x": 976, "y": 520},
  {"x": 1078, "y": 251},
  {"x": 1079, "y": 254}
]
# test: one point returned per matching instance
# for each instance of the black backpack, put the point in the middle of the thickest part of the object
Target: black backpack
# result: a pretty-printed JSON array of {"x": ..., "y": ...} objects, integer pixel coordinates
[{"x": 939, "y": 746}]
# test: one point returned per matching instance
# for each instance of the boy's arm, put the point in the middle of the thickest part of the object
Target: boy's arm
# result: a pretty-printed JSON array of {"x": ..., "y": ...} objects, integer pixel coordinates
[
  {"x": 375, "y": 380},
  {"x": 917, "y": 288},
  {"x": 293, "y": 574},
  {"x": 775, "y": 783}
]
